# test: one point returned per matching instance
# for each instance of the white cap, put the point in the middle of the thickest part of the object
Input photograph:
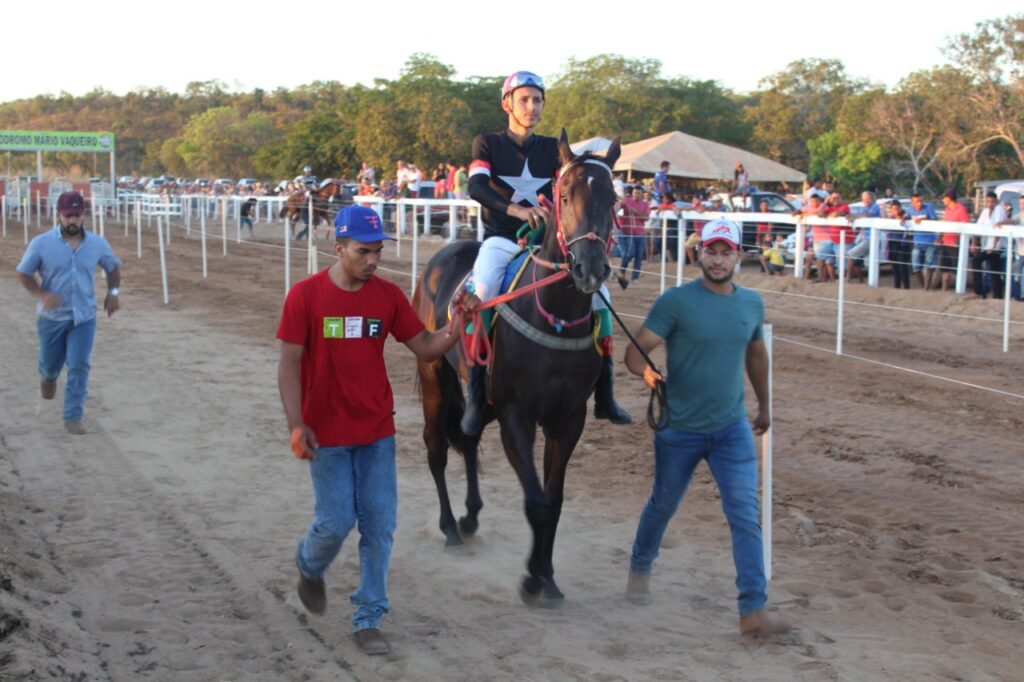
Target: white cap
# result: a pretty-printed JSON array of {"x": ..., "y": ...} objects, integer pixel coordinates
[{"x": 721, "y": 229}]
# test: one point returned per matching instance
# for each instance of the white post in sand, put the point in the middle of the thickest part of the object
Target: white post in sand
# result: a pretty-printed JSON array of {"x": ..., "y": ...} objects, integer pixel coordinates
[
  {"x": 664, "y": 248},
  {"x": 202, "y": 238},
  {"x": 138, "y": 230},
  {"x": 680, "y": 248},
  {"x": 103, "y": 229},
  {"x": 415, "y": 251},
  {"x": 1006, "y": 295},
  {"x": 287, "y": 256},
  {"x": 798, "y": 259},
  {"x": 766, "y": 467},
  {"x": 163, "y": 258},
  {"x": 224, "y": 226},
  {"x": 3, "y": 212},
  {"x": 310, "y": 240},
  {"x": 842, "y": 291}
]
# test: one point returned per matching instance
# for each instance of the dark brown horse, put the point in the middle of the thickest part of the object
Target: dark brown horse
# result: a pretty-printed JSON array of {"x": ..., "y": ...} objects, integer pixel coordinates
[
  {"x": 537, "y": 377},
  {"x": 296, "y": 207}
]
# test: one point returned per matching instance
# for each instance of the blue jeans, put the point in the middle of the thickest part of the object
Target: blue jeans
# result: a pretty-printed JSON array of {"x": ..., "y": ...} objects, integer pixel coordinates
[
  {"x": 64, "y": 342},
  {"x": 731, "y": 457},
  {"x": 633, "y": 247},
  {"x": 245, "y": 220},
  {"x": 354, "y": 484}
]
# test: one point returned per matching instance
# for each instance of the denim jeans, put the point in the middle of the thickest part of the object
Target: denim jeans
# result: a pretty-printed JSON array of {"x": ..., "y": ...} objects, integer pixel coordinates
[
  {"x": 633, "y": 247},
  {"x": 354, "y": 484},
  {"x": 64, "y": 342},
  {"x": 731, "y": 457}
]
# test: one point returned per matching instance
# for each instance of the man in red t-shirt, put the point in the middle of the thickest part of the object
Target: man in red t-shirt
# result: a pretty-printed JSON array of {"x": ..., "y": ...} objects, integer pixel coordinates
[
  {"x": 949, "y": 242},
  {"x": 340, "y": 410}
]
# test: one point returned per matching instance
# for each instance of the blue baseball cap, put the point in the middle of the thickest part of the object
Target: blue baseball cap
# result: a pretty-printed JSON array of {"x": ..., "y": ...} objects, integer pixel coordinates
[{"x": 360, "y": 223}]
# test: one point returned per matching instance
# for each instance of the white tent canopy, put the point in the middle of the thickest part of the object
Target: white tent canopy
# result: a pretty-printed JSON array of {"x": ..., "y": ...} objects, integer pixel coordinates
[
  {"x": 593, "y": 145},
  {"x": 699, "y": 159}
]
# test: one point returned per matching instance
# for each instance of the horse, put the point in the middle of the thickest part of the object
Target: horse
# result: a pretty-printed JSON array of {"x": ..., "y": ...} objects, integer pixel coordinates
[
  {"x": 296, "y": 207},
  {"x": 536, "y": 378}
]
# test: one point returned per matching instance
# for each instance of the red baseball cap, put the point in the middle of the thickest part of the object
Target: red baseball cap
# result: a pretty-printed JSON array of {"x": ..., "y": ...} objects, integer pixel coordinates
[{"x": 71, "y": 202}]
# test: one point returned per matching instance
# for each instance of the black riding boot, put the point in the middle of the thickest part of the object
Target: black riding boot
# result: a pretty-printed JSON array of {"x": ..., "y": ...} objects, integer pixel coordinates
[
  {"x": 476, "y": 393},
  {"x": 605, "y": 406}
]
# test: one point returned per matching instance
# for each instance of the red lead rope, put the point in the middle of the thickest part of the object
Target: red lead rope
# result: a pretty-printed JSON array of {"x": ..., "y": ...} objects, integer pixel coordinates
[{"x": 477, "y": 344}]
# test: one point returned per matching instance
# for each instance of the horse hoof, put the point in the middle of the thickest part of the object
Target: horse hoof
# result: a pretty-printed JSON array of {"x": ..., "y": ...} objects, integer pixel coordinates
[
  {"x": 530, "y": 590},
  {"x": 468, "y": 526},
  {"x": 451, "y": 537},
  {"x": 538, "y": 592}
]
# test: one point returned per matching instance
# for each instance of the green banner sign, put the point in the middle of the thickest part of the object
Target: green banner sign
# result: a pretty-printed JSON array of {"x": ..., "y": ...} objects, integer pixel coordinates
[{"x": 55, "y": 141}]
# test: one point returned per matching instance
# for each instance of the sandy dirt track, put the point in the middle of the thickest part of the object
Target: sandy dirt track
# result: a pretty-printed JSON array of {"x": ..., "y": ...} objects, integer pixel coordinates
[{"x": 159, "y": 546}]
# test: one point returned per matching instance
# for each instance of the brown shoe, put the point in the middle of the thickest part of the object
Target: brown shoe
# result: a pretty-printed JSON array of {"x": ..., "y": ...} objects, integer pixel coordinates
[
  {"x": 75, "y": 427},
  {"x": 312, "y": 593},
  {"x": 48, "y": 388},
  {"x": 638, "y": 589},
  {"x": 760, "y": 624},
  {"x": 370, "y": 641}
]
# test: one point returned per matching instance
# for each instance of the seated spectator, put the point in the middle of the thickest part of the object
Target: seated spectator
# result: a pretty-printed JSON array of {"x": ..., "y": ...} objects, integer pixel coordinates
[{"x": 772, "y": 256}]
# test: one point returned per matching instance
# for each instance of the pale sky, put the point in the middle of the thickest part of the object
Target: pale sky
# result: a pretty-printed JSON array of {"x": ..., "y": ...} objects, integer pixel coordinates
[{"x": 121, "y": 46}]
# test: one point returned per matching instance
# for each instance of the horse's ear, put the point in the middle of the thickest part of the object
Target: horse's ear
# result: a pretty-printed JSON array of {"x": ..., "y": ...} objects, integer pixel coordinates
[
  {"x": 564, "y": 151},
  {"x": 614, "y": 150}
]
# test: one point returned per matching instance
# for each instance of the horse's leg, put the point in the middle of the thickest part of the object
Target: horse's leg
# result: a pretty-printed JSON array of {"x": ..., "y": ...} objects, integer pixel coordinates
[
  {"x": 474, "y": 503},
  {"x": 436, "y": 439},
  {"x": 559, "y": 443},
  {"x": 517, "y": 437}
]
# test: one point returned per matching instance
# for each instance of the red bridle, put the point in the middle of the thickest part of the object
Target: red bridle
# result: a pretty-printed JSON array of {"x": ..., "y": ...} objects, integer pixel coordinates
[{"x": 564, "y": 244}]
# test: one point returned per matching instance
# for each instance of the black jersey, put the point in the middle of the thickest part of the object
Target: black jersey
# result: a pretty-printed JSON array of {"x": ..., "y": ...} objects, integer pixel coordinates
[{"x": 502, "y": 173}]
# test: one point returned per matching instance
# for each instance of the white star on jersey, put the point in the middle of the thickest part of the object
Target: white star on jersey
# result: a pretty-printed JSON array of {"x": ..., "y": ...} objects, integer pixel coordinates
[{"x": 524, "y": 186}]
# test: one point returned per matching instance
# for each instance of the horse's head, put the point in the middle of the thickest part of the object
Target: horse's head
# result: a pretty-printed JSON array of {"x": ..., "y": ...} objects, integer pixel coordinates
[{"x": 585, "y": 213}]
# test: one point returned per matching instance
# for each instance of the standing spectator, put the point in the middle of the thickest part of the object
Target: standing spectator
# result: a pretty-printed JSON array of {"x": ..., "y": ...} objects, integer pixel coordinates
[
  {"x": 449, "y": 184},
  {"x": 712, "y": 329},
  {"x": 366, "y": 173},
  {"x": 763, "y": 228},
  {"x": 949, "y": 242},
  {"x": 245, "y": 215},
  {"x": 402, "y": 173},
  {"x": 740, "y": 181},
  {"x": 662, "y": 191},
  {"x": 1018, "y": 264},
  {"x": 634, "y": 215},
  {"x": 900, "y": 242},
  {"x": 339, "y": 406},
  {"x": 414, "y": 177},
  {"x": 924, "y": 256},
  {"x": 862, "y": 243},
  {"x": 440, "y": 178},
  {"x": 66, "y": 259},
  {"x": 462, "y": 182},
  {"x": 821, "y": 239},
  {"x": 989, "y": 250}
]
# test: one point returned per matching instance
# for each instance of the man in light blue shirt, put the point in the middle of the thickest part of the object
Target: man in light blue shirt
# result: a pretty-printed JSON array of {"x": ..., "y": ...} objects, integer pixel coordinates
[
  {"x": 66, "y": 259},
  {"x": 924, "y": 258}
]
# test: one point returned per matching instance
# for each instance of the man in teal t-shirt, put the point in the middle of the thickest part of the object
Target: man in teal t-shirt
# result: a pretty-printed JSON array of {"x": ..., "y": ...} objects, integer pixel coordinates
[{"x": 711, "y": 329}]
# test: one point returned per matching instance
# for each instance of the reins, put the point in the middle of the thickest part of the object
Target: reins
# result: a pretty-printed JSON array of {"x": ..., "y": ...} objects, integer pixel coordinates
[{"x": 657, "y": 420}]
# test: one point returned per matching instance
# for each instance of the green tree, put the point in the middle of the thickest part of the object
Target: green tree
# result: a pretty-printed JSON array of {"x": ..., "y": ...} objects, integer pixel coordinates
[{"x": 797, "y": 105}]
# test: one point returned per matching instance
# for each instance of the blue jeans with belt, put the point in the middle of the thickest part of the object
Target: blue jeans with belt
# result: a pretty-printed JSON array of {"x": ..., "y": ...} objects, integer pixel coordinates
[
  {"x": 354, "y": 485},
  {"x": 64, "y": 342},
  {"x": 731, "y": 456}
]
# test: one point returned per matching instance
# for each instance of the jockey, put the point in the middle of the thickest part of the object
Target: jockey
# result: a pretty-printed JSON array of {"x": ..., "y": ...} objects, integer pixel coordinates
[{"x": 508, "y": 170}]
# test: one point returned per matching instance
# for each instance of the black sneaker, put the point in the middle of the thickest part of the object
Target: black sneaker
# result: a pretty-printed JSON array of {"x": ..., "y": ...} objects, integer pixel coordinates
[{"x": 312, "y": 593}]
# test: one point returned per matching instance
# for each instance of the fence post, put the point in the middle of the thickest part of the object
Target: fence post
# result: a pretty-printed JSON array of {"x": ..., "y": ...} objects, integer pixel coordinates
[
  {"x": 224, "y": 226},
  {"x": 798, "y": 260},
  {"x": 1006, "y": 294},
  {"x": 664, "y": 248},
  {"x": 842, "y": 291},
  {"x": 874, "y": 256},
  {"x": 767, "y": 446},
  {"x": 287, "y": 256},
  {"x": 163, "y": 258},
  {"x": 3, "y": 212}
]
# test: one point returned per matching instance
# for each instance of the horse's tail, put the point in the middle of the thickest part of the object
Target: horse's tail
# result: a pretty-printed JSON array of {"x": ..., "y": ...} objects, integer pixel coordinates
[{"x": 451, "y": 388}]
